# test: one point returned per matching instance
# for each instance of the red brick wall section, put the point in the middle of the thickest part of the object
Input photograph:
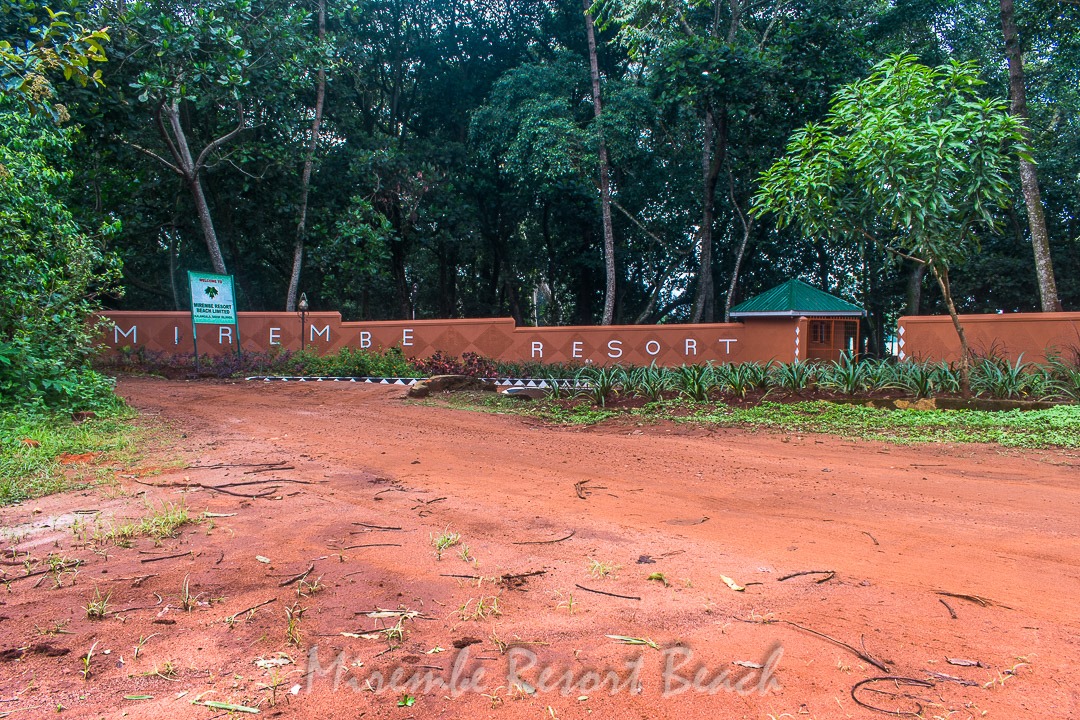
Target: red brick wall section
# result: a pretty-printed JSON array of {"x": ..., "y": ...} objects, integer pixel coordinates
[
  {"x": 498, "y": 338},
  {"x": 1034, "y": 335}
]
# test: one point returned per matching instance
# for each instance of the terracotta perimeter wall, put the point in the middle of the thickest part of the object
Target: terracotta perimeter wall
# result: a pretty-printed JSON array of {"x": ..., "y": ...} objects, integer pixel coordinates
[
  {"x": 1034, "y": 335},
  {"x": 759, "y": 339}
]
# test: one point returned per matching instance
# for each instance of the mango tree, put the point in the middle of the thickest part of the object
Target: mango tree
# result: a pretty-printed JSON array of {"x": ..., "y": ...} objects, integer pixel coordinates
[{"x": 912, "y": 159}]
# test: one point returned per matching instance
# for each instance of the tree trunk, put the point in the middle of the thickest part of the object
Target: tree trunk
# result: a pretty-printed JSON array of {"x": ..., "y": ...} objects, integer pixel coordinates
[
  {"x": 171, "y": 129},
  {"x": 202, "y": 209},
  {"x": 914, "y": 289},
  {"x": 965, "y": 352},
  {"x": 305, "y": 179},
  {"x": 605, "y": 176},
  {"x": 729, "y": 300},
  {"x": 712, "y": 159},
  {"x": 1029, "y": 181}
]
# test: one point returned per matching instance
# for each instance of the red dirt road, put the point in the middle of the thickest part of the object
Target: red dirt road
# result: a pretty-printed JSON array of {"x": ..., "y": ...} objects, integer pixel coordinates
[{"x": 898, "y": 526}]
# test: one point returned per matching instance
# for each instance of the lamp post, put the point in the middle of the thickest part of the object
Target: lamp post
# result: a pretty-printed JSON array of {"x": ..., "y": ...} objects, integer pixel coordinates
[{"x": 302, "y": 306}]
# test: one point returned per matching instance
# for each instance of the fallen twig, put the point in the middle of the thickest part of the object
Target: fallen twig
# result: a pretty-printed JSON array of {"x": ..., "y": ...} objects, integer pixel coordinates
[
  {"x": 601, "y": 592},
  {"x": 376, "y": 527},
  {"x": 58, "y": 568},
  {"x": 898, "y": 681},
  {"x": 258, "y": 482},
  {"x": 167, "y": 557},
  {"x": 861, "y": 654},
  {"x": 871, "y": 537},
  {"x": 829, "y": 573},
  {"x": 270, "y": 469},
  {"x": 545, "y": 542},
  {"x": 217, "y": 488},
  {"x": 952, "y": 613},
  {"x": 978, "y": 600},
  {"x": 220, "y": 466},
  {"x": 353, "y": 547},
  {"x": 952, "y": 678},
  {"x": 294, "y": 578},
  {"x": 233, "y": 617}
]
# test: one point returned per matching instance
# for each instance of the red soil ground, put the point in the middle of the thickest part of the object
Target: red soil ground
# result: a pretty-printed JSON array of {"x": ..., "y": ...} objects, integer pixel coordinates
[{"x": 898, "y": 525}]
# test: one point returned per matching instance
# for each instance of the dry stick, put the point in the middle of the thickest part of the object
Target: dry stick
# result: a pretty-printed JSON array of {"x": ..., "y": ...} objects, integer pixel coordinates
[
  {"x": 270, "y": 469},
  {"x": 871, "y": 537},
  {"x": 601, "y": 592},
  {"x": 862, "y": 655},
  {"x": 294, "y": 578},
  {"x": 545, "y": 542},
  {"x": 353, "y": 547},
  {"x": 253, "y": 607},
  {"x": 981, "y": 601},
  {"x": 393, "y": 489},
  {"x": 899, "y": 681},
  {"x": 58, "y": 568},
  {"x": 145, "y": 607},
  {"x": 220, "y": 466},
  {"x": 376, "y": 527},
  {"x": 829, "y": 573},
  {"x": 265, "y": 493},
  {"x": 518, "y": 576},
  {"x": 168, "y": 557},
  {"x": 952, "y": 678},
  {"x": 952, "y": 613},
  {"x": 260, "y": 482},
  {"x": 137, "y": 578}
]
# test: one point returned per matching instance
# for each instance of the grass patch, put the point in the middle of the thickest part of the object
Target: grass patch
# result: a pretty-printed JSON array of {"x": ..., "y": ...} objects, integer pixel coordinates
[
  {"x": 31, "y": 447},
  {"x": 1058, "y": 426}
]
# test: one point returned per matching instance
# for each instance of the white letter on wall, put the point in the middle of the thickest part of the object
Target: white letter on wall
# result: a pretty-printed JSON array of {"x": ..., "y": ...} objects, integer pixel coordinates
[
  {"x": 652, "y": 347},
  {"x": 406, "y": 337},
  {"x": 614, "y": 348},
  {"x": 319, "y": 333},
  {"x": 133, "y": 332},
  {"x": 575, "y": 349},
  {"x": 365, "y": 339},
  {"x": 537, "y": 349},
  {"x": 224, "y": 332},
  {"x": 691, "y": 346},
  {"x": 275, "y": 336}
]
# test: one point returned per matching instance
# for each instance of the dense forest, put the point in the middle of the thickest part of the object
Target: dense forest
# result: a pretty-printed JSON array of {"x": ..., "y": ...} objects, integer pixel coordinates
[{"x": 558, "y": 162}]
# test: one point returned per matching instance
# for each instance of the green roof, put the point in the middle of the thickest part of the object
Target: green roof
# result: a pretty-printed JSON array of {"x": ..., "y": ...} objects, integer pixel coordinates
[{"x": 795, "y": 298}]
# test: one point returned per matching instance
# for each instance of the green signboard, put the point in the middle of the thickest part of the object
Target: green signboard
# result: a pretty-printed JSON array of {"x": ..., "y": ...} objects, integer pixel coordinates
[{"x": 212, "y": 299}]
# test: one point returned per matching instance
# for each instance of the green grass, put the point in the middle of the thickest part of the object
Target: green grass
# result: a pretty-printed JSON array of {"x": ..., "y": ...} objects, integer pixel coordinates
[
  {"x": 1058, "y": 426},
  {"x": 28, "y": 472}
]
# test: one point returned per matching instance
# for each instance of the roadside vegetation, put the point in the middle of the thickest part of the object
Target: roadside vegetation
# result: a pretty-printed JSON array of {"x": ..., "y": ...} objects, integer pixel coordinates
[{"x": 1026, "y": 404}]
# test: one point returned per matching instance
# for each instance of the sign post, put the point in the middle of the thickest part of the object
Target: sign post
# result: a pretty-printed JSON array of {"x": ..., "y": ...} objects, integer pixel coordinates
[{"x": 213, "y": 302}]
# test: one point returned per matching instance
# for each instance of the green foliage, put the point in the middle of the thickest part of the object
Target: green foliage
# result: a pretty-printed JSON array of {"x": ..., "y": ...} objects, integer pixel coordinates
[
  {"x": 600, "y": 384},
  {"x": 794, "y": 377},
  {"x": 51, "y": 270},
  {"x": 911, "y": 157},
  {"x": 1057, "y": 426},
  {"x": 39, "y": 42},
  {"x": 346, "y": 362},
  {"x": 695, "y": 382},
  {"x": 32, "y": 469}
]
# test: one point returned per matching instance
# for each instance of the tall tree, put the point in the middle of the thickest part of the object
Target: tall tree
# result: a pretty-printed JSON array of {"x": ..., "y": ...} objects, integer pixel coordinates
[
  {"x": 605, "y": 172},
  {"x": 1029, "y": 181},
  {"x": 910, "y": 159},
  {"x": 309, "y": 162}
]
